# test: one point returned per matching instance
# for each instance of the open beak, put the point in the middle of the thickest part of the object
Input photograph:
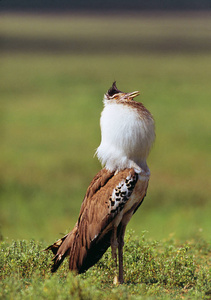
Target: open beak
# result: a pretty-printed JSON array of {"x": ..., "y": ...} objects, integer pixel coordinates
[{"x": 130, "y": 96}]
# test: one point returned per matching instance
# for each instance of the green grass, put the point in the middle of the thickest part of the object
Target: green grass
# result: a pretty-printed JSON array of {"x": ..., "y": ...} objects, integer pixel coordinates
[
  {"x": 54, "y": 72},
  {"x": 153, "y": 270}
]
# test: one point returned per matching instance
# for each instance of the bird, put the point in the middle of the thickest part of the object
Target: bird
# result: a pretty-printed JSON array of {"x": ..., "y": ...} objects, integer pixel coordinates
[{"x": 117, "y": 190}]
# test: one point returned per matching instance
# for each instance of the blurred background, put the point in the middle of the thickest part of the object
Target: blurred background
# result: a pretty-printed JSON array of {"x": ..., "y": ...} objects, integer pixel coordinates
[{"x": 57, "y": 59}]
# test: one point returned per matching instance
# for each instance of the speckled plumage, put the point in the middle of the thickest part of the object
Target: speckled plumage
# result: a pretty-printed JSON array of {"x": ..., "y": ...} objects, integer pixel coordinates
[{"x": 122, "y": 192}]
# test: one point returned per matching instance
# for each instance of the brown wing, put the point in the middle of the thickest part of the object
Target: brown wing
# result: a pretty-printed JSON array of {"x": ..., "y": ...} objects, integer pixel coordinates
[
  {"x": 98, "y": 210},
  {"x": 65, "y": 245},
  {"x": 88, "y": 241}
]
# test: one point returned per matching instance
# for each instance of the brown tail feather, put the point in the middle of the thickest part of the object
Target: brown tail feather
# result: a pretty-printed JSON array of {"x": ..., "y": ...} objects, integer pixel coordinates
[
  {"x": 54, "y": 248},
  {"x": 61, "y": 249}
]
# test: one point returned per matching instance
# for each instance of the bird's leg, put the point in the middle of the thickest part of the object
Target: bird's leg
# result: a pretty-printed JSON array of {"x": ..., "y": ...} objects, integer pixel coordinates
[
  {"x": 120, "y": 252},
  {"x": 114, "y": 246},
  {"x": 121, "y": 236}
]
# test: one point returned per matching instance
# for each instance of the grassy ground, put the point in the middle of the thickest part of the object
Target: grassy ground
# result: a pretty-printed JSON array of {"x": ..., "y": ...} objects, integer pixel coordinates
[
  {"x": 54, "y": 72},
  {"x": 153, "y": 270}
]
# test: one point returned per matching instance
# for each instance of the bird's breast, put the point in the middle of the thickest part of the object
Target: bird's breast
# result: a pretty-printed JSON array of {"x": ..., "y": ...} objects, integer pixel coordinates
[{"x": 126, "y": 136}]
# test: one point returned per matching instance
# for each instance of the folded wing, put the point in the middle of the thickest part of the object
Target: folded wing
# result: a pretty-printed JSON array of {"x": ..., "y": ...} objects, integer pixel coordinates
[{"x": 90, "y": 238}]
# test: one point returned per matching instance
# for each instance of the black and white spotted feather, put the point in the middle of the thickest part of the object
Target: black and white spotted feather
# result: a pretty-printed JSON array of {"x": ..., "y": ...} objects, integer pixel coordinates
[{"x": 122, "y": 193}]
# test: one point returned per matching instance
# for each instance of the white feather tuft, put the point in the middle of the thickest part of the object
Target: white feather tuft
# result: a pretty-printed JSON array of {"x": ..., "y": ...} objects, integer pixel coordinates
[{"x": 126, "y": 137}]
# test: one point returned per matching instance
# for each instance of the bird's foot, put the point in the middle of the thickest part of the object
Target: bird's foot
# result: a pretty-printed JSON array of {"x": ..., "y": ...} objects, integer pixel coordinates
[{"x": 117, "y": 280}]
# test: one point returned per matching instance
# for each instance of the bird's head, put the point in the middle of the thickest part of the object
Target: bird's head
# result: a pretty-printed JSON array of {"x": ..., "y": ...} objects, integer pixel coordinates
[{"x": 116, "y": 95}]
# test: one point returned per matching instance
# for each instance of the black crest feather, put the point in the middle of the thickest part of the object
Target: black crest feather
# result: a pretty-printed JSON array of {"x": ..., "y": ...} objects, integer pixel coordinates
[{"x": 113, "y": 90}]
